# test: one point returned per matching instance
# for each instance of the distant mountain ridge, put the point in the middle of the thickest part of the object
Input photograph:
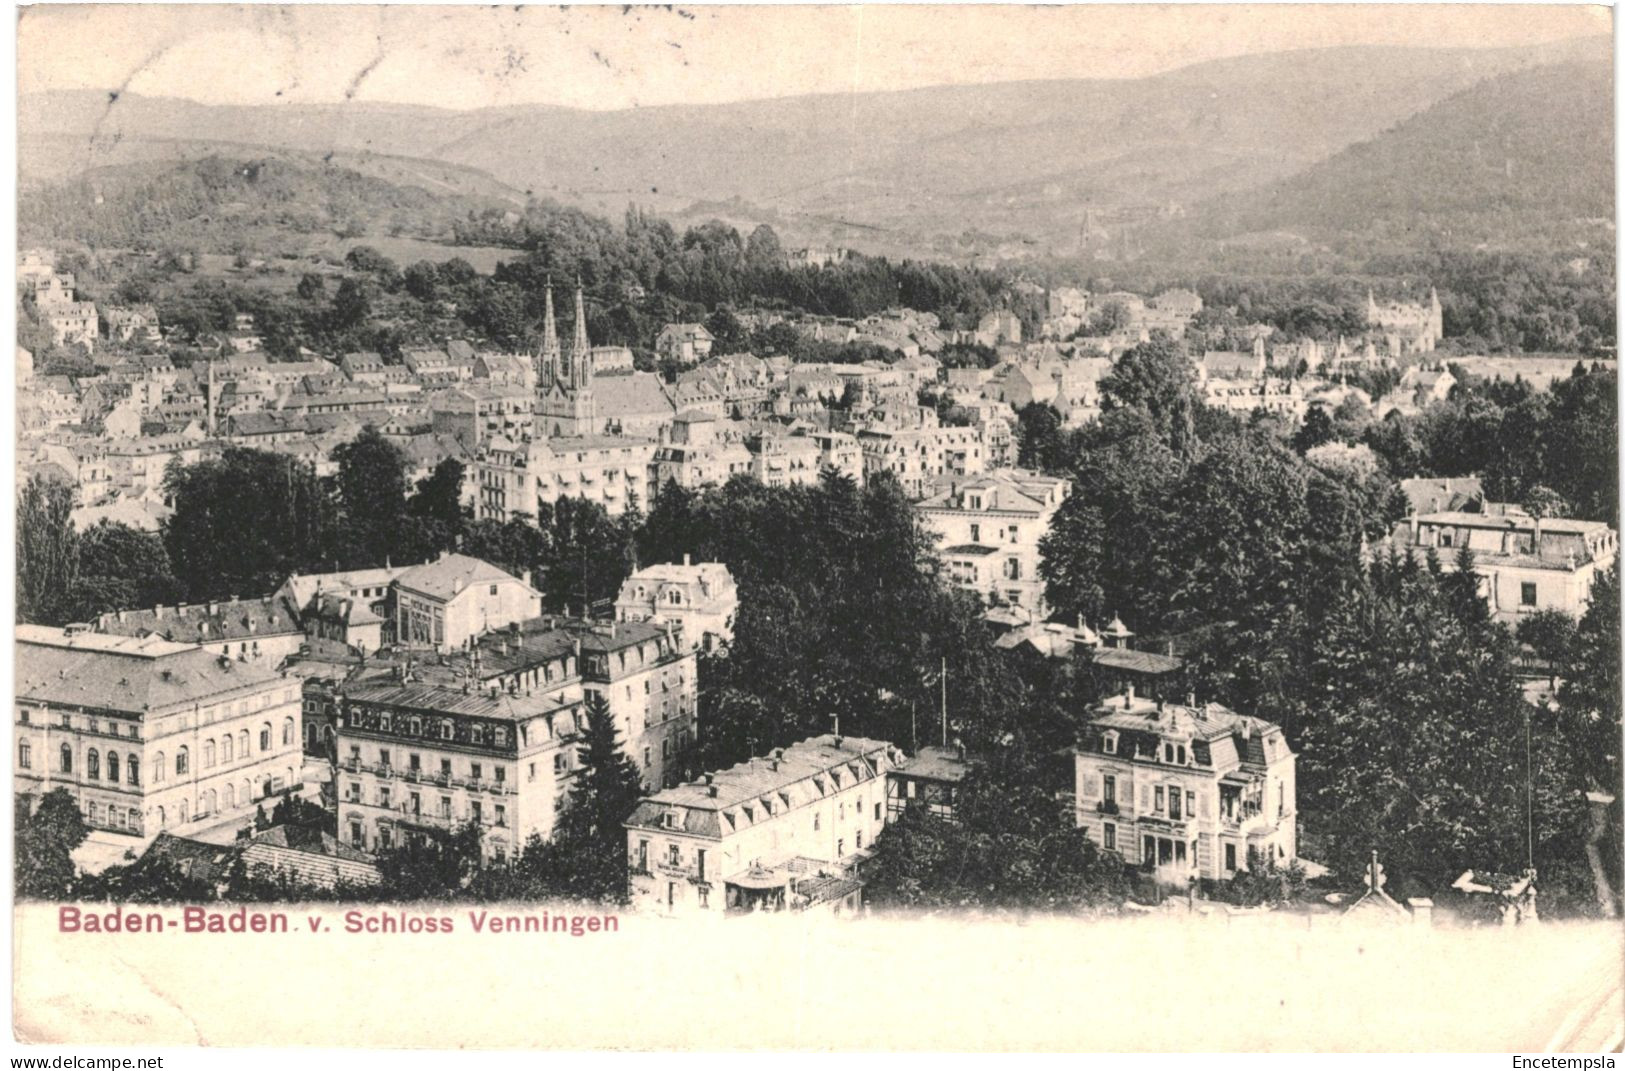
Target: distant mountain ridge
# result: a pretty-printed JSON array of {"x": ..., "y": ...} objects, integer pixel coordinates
[
  {"x": 1033, "y": 158},
  {"x": 1522, "y": 150}
]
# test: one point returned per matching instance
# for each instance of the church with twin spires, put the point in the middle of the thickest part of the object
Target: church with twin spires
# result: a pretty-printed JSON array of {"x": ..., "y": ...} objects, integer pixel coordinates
[{"x": 565, "y": 407}]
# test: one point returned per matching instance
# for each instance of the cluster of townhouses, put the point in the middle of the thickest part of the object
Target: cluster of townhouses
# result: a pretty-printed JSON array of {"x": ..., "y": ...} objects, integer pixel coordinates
[
  {"x": 409, "y": 698},
  {"x": 412, "y": 699}
]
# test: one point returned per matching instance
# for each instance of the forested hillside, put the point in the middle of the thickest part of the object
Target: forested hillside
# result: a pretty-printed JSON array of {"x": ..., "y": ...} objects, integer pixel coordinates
[{"x": 219, "y": 202}]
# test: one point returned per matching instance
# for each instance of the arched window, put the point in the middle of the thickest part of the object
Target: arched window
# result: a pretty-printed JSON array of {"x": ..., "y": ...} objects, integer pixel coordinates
[
  {"x": 133, "y": 769},
  {"x": 182, "y": 812},
  {"x": 242, "y": 744},
  {"x": 161, "y": 818},
  {"x": 225, "y": 748},
  {"x": 135, "y": 821},
  {"x": 183, "y": 762},
  {"x": 246, "y": 796},
  {"x": 287, "y": 732},
  {"x": 158, "y": 772},
  {"x": 112, "y": 766},
  {"x": 115, "y": 817},
  {"x": 209, "y": 801},
  {"x": 94, "y": 811},
  {"x": 231, "y": 796},
  {"x": 93, "y": 765},
  {"x": 67, "y": 759},
  {"x": 208, "y": 754},
  {"x": 265, "y": 738}
]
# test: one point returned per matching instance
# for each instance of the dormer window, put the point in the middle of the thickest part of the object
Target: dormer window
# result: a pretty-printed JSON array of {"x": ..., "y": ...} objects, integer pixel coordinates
[
  {"x": 671, "y": 819},
  {"x": 1108, "y": 743}
]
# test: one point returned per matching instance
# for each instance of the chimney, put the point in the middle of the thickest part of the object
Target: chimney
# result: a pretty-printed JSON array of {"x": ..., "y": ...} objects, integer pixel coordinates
[
  {"x": 1421, "y": 911},
  {"x": 685, "y": 558},
  {"x": 711, "y": 791},
  {"x": 525, "y": 576},
  {"x": 1131, "y": 693},
  {"x": 1190, "y": 699}
]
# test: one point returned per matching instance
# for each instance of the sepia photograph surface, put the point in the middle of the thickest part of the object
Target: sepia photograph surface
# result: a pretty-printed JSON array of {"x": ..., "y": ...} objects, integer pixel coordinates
[{"x": 867, "y": 528}]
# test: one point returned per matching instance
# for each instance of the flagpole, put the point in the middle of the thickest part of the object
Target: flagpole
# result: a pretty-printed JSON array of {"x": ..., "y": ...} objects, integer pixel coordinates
[{"x": 944, "y": 700}]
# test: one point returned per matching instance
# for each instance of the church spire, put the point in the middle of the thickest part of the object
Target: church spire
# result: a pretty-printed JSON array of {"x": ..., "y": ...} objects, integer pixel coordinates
[
  {"x": 579, "y": 373},
  {"x": 548, "y": 360}
]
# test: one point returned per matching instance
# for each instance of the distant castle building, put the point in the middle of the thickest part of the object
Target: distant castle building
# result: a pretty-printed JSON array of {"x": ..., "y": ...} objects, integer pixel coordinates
[{"x": 1406, "y": 328}]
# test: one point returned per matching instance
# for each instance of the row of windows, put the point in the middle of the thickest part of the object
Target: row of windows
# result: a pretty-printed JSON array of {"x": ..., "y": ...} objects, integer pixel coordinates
[
  {"x": 91, "y": 725},
  {"x": 93, "y": 763},
  {"x": 445, "y": 728},
  {"x": 497, "y": 816},
  {"x": 113, "y": 816},
  {"x": 1171, "y": 753},
  {"x": 227, "y": 751},
  {"x": 414, "y": 763}
]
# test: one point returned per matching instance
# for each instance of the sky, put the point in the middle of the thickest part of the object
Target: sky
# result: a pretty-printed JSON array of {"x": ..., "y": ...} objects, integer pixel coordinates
[{"x": 605, "y": 58}]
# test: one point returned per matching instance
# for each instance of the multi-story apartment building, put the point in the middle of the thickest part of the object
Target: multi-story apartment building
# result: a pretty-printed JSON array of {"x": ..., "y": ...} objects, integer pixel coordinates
[
  {"x": 701, "y": 599},
  {"x": 489, "y": 735},
  {"x": 139, "y": 464},
  {"x": 264, "y": 630},
  {"x": 916, "y": 455},
  {"x": 840, "y": 451},
  {"x": 352, "y": 607},
  {"x": 447, "y": 602},
  {"x": 476, "y": 411},
  {"x": 650, "y": 682},
  {"x": 780, "y": 832},
  {"x": 990, "y": 527},
  {"x": 697, "y": 453},
  {"x": 148, "y": 734},
  {"x": 784, "y": 460},
  {"x": 513, "y": 478},
  {"x": 417, "y": 757},
  {"x": 1525, "y": 563},
  {"x": 75, "y": 321},
  {"x": 1186, "y": 791}
]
